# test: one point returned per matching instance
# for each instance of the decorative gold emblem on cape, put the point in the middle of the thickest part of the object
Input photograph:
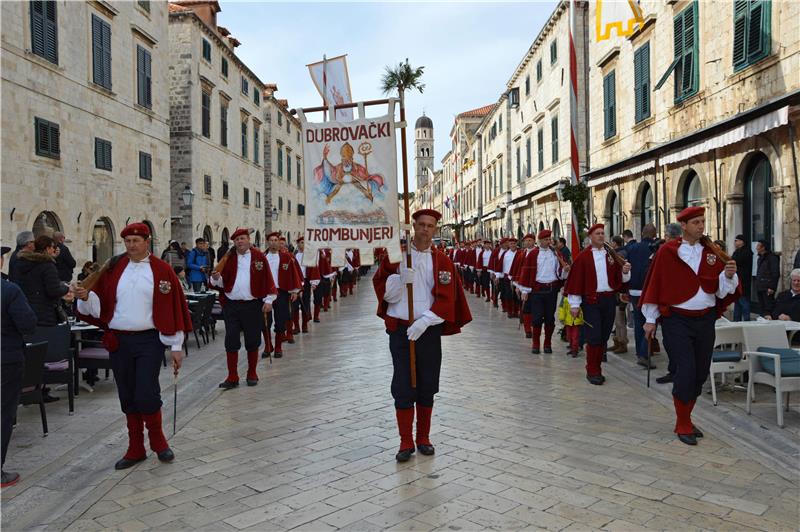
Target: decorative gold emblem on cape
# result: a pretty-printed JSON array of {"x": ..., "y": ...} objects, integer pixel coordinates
[
  {"x": 165, "y": 287},
  {"x": 445, "y": 277}
]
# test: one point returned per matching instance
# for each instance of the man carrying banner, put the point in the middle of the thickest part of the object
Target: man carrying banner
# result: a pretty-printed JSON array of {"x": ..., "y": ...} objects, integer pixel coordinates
[
  {"x": 287, "y": 278},
  {"x": 540, "y": 284},
  {"x": 440, "y": 308},
  {"x": 593, "y": 282},
  {"x": 249, "y": 292},
  {"x": 138, "y": 301},
  {"x": 311, "y": 280},
  {"x": 689, "y": 285}
]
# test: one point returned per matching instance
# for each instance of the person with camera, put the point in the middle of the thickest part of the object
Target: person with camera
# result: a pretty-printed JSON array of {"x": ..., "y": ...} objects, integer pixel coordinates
[{"x": 198, "y": 265}]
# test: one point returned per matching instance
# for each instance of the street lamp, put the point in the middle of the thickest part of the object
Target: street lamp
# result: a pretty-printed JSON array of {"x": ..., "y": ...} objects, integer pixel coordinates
[
  {"x": 274, "y": 214},
  {"x": 187, "y": 196},
  {"x": 560, "y": 190}
]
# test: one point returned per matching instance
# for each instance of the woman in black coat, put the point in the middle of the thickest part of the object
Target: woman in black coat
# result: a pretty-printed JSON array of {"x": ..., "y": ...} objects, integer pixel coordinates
[{"x": 39, "y": 281}]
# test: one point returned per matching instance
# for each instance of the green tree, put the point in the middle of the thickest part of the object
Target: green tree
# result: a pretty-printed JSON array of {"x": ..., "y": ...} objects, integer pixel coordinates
[{"x": 401, "y": 78}]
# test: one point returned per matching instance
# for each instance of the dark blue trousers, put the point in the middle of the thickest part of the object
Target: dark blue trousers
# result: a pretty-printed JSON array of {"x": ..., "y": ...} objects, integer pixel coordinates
[
  {"x": 429, "y": 365},
  {"x": 638, "y": 328},
  {"x": 543, "y": 306},
  {"x": 689, "y": 342},
  {"x": 136, "y": 365},
  {"x": 598, "y": 320}
]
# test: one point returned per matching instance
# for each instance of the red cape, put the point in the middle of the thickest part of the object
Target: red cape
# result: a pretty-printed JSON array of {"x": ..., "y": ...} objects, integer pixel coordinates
[
  {"x": 670, "y": 281},
  {"x": 582, "y": 279},
  {"x": 170, "y": 310},
  {"x": 290, "y": 277},
  {"x": 449, "y": 301},
  {"x": 261, "y": 283},
  {"x": 530, "y": 269}
]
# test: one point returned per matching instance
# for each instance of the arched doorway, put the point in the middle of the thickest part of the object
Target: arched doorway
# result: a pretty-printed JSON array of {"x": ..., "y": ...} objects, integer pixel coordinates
[
  {"x": 692, "y": 190},
  {"x": 613, "y": 214},
  {"x": 541, "y": 226},
  {"x": 46, "y": 223},
  {"x": 758, "y": 201},
  {"x": 647, "y": 204},
  {"x": 556, "y": 229},
  {"x": 152, "y": 228},
  {"x": 102, "y": 240},
  {"x": 208, "y": 236}
]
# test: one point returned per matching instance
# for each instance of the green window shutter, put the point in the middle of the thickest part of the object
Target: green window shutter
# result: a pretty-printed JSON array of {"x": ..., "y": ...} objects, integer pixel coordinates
[
  {"x": 519, "y": 166},
  {"x": 554, "y": 138},
  {"x": 690, "y": 50},
  {"x": 223, "y": 125},
  {"x": 528, "y": 157},
  {"x": 55, "y": 141},
  {"x": 678, "y": 53},
  {"x": 288, "y": 167},
  {"x": 740, "y": 16},
  {"x": 144, "y": 77},
  {"x": 37, "y": 28},
  {"x": 106, "y": 54},
  {"x": 540, "y": 139},
  {"x": 609, "y": 105},
  {"x": 759, "y": 32},
  {"x": 50, "y": 32},
  {"x": 255, "y": 144},
  {"x": 224, "y": 67},
  {"x": 206, "y": 114},
  {"x": 280, "y": 161},
  {"x": 641, "y": 68},
  {"x": 101, "y": 52},
  {"x": 244, "y": 139},
  {"x": 148, "y": 79}
]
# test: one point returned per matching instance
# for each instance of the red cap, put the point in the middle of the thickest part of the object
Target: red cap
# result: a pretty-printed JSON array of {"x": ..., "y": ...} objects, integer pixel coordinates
[
  {"x": 595, "y": 227},
  {"x": 275, "y": 234},
  {"x": 282, "y": 239},
  {"x": 690, "y": 212},
  {"x": 503, "y": 240},
  {"x": 239, "y": 232},
  {"x": 545, "y": 233},
  {"x": 138, "y": 229},
  {"x": 427, "y": 212},
  {"x": 511, "y": 239},
  {"x": 299, "y": 239},
  {"x": 526, "y": 237},
  {"x": 487, "y": 241}
]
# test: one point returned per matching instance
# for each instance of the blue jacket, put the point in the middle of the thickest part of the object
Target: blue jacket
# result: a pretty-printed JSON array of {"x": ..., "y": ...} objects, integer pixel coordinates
[
  {"x": 195, "y": 261},
  {"x": 17, "y": 319},
  {"x": 638, "y": 255}
]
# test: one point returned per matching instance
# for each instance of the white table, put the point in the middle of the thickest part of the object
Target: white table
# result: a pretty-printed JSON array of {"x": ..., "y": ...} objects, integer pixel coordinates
[{"x": 792, "y": 327}]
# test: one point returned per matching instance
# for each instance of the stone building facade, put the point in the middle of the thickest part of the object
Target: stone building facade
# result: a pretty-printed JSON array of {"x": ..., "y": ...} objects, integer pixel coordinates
[
  {"x": 283, "y": 170},
  {"x": 217, "y": 129},
  {"x": 699, "y": 107},
  {"x": 85, "y": 107}
]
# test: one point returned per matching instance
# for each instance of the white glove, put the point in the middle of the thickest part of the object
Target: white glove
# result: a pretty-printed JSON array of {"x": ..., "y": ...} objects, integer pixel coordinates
[
  {"x": 314, "y": 284},
  {"x": 417, "y": 329},
  {"x": 407, "y": 275}
]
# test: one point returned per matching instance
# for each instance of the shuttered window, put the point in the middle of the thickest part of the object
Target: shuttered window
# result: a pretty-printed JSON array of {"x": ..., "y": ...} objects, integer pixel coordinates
[
  {"x": 44, "y": 29},
  {"x": 207, "y": 185},
  {"x": 245, "y": 86},
  {"x": 246, "y": 196},
  {"x": 223, "y": 124},
  {"x": 519, "y": 165},
  {"x": 224, "y": 190},
  {"x": 144, "y": 4},
  {"x": 609, "y": 105},
  {"x": 686, "y": 53},
  {"x": 144, "y": 77},
  {"x": 539, "y": 70},
  {"x": 206, "y": 50},
  {"x": 256, "y": 97},
  {"x": 102, "y": 154},
  {"x": 553, "y": 52},
  {"x": 641, "y": 82},
  {"x": 255, "y": 144},
  {"x": 528, "y": 157},
  {"x": 752, "y": 35},
  {"x": 244, "y": 138},
  {"x": 288, "y": 166},
  {"x": 145, "y": 166},
  {"x": 224, "y": 67},
  {"x": 206, "y": 114},
  {"x": 280, "y": 160},
  {"x": 554, "y": 138},
  {"x": 540, "y": 139},
  {"x": 299, "y": 175},
  {"x": 48, "y": 142},
  {"x": 101, "y": 52}
]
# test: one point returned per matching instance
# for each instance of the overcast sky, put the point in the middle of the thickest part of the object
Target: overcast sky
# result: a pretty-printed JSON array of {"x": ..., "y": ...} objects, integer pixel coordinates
[{"x": 469, "y": 50}]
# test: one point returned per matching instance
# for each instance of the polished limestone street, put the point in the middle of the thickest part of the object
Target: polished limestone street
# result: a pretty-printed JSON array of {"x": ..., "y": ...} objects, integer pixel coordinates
[{"x": 522, "y": 442}]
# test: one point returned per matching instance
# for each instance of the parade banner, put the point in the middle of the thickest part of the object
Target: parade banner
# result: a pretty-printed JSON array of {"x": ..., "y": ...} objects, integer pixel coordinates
[
  {"x": 351, "y": 187},
  {"x": 333, "y": 83}
]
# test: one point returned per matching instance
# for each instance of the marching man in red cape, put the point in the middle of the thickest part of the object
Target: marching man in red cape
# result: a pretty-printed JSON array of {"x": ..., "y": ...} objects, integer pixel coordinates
[
  {"x": 249, "y": 293},
  {"x": 688, "y": 287},
  {"x": 540, "y": 283},
  {"x": 594, "y": 280},
  {"x": 440, "y": 308},
  {"x": 139, "y": 303},
  {"x": 310, "y": 275},
  {"x": 288, "y": 280}
]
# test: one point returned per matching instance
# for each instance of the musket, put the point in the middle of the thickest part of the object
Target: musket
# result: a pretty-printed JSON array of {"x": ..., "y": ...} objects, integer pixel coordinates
[
  {"x": 714, "y": 248},
  {"x": 92, "y": 278},
  {"x": 619, "y": 259},
  {"x": 560, "y": 257}
]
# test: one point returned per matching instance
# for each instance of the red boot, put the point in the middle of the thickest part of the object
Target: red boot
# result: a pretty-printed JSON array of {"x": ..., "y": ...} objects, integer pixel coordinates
[
  {"x": 684, "y": 427},
  {"x": 573, "y": 336},
  {"x": 158, "y": 442},
  {"x": 536, "y": 332},
  {"x": 316, "y": 313},
  {"x": 278, "y": 349},
  {"x": 548, "y": 337},
  {"x": 424, "y": 430},
  {"x": 233, "y": 370},
  {"x": 526, "y": 324},
  {"x": 252, "y": 363},
  {"x": 405, "y": 426},
  {"x": 296, "y": 321},
  {"x": 305, "y": 324},
  {"x": 594, "y": 359},
  {"x": 136, "y": 450},
  {"x": 267, "y": 343},
  {"x": 288, "y": 337}
]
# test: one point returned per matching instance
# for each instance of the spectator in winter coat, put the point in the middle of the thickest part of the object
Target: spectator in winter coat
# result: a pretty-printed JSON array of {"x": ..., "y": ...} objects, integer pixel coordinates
[
  {"x": 198, "y": 265},
  {"x": 65, "y": 263},
  {"x": 16, "y": 320},
  {"x": 744, "y": 267},
  {"x": 768, "y": 273},
  {"x": 38, "y": 279},
  {"x": 787, "y": 304},
  {"x": 173, "y": 255},
  {"x": 24, "y": 243}
]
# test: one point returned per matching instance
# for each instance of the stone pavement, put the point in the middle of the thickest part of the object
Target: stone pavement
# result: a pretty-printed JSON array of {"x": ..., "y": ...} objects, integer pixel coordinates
[{"x": 522, "y": 442}]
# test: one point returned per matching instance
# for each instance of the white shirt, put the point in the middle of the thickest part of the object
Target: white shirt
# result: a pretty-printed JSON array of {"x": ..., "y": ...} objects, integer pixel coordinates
[
  {"x": 600, "y": 257},
  {"x": 692, "y": 254},
  {"x": 486, "y": 256},
  {"x": 134, "y": 308},
  {"x": 299, "y": 258},
  {"x": 508, "y": 259},
  {"x": 546, "y": 269},
  {"x": 241, "y": 286},
  {"x": 397, "y": 294}
]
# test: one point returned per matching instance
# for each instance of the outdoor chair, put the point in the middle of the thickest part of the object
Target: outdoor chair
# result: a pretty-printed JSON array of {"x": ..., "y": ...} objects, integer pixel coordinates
[
  {"x": 90, "y": 355},
  {"x": 58, "y": 362},
  {"x": 727, "y": 356},
  {"x": 32, "y": 384},
  {"x": 772, "y": 363}
]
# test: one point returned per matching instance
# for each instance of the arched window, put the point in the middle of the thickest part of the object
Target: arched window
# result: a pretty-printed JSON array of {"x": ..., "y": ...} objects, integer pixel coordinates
[
  {"x": 258, "y": 239},
  {"x": 46, "y": 223},
  {"x": 556, "y": 229},
  {"x": 102, "y": 240},
  {"x": 758, "y": 201},
  {"x": 225, "y": 237},
  {"x": 541, "y": 226},
  {"x": 647, "y": 205},
  {"x": 614, "y": 215},
  {"x": 692, "y": 190},
  {"x": 208, "y": 236},
  {"x": 152, "y": 235}
]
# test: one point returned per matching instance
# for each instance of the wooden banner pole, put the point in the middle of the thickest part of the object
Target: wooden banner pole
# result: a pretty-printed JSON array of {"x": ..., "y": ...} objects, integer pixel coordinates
[{"x": 403, "y": 149}]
